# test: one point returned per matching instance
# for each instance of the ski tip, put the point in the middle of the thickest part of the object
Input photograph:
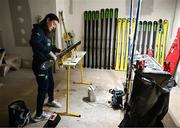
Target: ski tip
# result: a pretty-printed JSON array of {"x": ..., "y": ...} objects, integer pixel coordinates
[
  {"x": 149, "y": 22},
  {"x": 145, "y": 22},
  {"x": 160, "y": 21},
  {"x": 102, "y": 10},
  {"x": 165, "y": 21}
]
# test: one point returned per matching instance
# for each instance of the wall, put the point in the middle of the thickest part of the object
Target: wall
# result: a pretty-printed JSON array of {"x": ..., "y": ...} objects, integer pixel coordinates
[
  {"x": 7, "y": 36},
  {"x": 176, "y": 25},
  {"x": 59, "y": 38},
  {"x": 41, "y": 7},
  {"x": 151, "y": 10}
]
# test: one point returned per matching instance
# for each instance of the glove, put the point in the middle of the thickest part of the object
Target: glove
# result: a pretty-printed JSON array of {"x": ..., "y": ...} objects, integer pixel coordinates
[
  {"x": 53, "y": 55},
  {"x": 55, "y": 49},
  {"x": 58, "y": 50}
]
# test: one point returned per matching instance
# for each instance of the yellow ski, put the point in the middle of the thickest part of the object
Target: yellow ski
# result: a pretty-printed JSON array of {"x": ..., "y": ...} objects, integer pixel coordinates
[
  {"x": 158, "y": 46},
  {"x": 122, "y": 44},
  {"x": 118, "y": 44},
  {"x": 127, "y": 39},
  {"x": 165, "y": 25}
]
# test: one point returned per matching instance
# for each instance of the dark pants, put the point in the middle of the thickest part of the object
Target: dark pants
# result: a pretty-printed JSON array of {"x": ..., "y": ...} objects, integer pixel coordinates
[{"x": 45, "y": 83}]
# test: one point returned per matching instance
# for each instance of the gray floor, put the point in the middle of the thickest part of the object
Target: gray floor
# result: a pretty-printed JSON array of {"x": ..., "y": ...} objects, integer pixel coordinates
[{"x": 21, "y": 85}]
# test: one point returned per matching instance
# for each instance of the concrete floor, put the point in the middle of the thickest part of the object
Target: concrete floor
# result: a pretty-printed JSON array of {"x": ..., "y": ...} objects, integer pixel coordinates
[{"x": 22, "y": 85}]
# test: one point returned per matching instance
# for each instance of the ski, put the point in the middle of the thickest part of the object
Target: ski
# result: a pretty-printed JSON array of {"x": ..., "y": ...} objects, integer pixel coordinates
[
  {"x": 106, "y": 32},
  {"x": 110, "y": 33},
  {"x": 123, "y": 44},
  {"x": 118, "y": 44},
  {"x": 126, "y": 44},
  {"x": 96, "y": 46},
  {"x": 114, "y": 37},
  {"x": 149, "y": 35},
  {"x": 139, "y": 37},
  {"x": 85, "y": 35},
  {"x": 127, "y": 85},
  {"x": 133, "y": 30},
  {"x": 144, "y": 37},
  {"x": 155, "y": 25},
  {"x": 49, "y": 63},
  {"x": 89, "y": 34},
  {"x": 67, "y": 36},
  {"x": 101, "y": 38},
  {"x": 92, "y": 46},
  {"x": 165, "y": 26},
  {"x": 159, "y": 39}
]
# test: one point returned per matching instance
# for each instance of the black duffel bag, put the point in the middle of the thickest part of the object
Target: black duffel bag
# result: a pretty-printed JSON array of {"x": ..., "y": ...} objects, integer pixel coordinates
[{"x": 19, "y": 114}]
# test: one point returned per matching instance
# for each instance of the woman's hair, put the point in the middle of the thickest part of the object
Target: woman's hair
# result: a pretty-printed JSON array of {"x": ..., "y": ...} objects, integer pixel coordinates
[{"x": 49, "y": 16}]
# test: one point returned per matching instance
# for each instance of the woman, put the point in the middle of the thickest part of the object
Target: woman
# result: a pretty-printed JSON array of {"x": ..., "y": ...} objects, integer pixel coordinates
[{"x": 43, "y": 50}]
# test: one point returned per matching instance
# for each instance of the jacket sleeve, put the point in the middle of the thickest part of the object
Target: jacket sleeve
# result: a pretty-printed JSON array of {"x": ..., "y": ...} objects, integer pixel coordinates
[{"x": 36, "y": 41}]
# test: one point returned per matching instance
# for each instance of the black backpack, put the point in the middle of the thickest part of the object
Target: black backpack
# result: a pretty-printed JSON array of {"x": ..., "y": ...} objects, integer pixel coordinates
[{"x": 19, "y": 114}]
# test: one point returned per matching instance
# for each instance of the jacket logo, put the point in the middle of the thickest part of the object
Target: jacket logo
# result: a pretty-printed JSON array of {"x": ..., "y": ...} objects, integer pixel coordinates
[
  {"x": 49, "y": 42},
  {"x": 38, "y": 34}
]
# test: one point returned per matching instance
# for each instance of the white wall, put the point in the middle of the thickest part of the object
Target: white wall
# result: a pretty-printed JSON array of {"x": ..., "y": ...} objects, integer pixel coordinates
[
  {"x": 176, "y": 25},
  {"x": 59, "y": 38},
  {"x": 41, "y": 7},
  {"x": 151, "y": 10}
]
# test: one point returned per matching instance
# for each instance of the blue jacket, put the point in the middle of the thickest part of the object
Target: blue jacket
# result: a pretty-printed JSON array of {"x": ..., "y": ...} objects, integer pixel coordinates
[{"x": 41, "y": 44}]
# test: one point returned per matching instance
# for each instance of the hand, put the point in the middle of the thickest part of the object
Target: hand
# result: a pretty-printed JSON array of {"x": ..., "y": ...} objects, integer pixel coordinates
[
  {"x": 58, "y": 50},
  {"x": 53, "y": 55}
]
